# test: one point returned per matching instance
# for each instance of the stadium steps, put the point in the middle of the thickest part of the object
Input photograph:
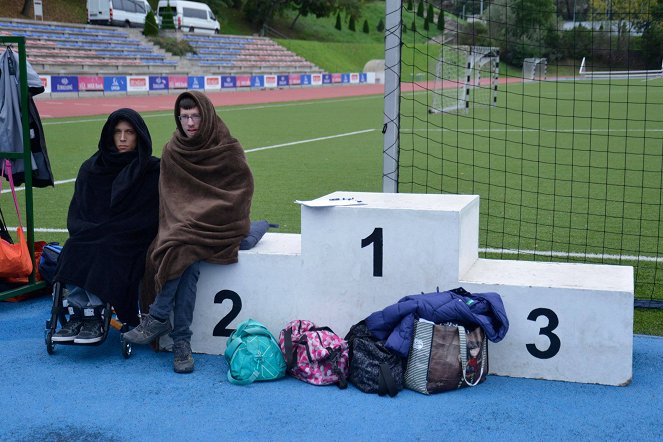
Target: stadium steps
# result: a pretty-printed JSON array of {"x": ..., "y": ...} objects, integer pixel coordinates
[{"x": 69, "y": 49}]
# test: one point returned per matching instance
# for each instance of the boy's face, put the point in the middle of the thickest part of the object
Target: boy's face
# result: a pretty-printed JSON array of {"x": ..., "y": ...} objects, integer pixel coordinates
[
  {"x": 125, "y": 137},
  {"x": 190, "y": 120}
]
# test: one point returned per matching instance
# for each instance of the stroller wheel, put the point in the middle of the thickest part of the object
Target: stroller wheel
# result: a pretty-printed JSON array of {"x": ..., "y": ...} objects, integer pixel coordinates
[
  {"x": 126, "y": 348},
  {"x": 49, "y": 343}
]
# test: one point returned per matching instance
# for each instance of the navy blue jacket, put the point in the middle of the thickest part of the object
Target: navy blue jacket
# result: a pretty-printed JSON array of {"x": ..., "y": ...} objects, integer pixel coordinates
[{"x": 395, "y": 324}]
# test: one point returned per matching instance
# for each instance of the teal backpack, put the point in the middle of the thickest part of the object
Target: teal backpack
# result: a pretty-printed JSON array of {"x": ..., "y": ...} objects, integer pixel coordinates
[{"x": 253, "y": 354}]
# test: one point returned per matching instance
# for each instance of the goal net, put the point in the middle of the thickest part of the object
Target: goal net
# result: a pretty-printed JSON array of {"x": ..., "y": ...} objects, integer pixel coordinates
[
  {"x": 465, "y": 76},
  {"x": 535, "y": 69}
]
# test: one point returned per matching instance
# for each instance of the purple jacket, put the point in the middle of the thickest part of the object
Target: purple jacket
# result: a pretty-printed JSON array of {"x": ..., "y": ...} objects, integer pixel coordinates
[{"x": 395, "y": 324}]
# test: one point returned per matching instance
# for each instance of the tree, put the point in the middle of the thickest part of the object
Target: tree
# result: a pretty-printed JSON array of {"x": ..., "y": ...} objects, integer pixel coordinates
[
  {"x": 151, "y": 27},
  {"x": 167, "y": 18},
  {"x": 414, "y": 26},
  {"x": 261, "y": 12},
  {"x": 440, "y": 21},
  {"x": 629, "y": 14},
  {"x": 420, "y": 9},
  {"x": 338, "y": 21},
  {"x": 426, "y": 24},
  {"x": 365, "y": 27},
  {"x": 380, "y": 26},
  {"x": 430, "y": 14},
  {"x": 529, "y": 31},
  {"x": 409, "y": 6},
  {"x": 26, "y": 8},
  {"x": 351, "y": 25}
]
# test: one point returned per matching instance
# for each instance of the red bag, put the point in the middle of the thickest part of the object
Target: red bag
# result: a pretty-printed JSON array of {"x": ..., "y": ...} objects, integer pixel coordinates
[{"x": 15, "y": 259}]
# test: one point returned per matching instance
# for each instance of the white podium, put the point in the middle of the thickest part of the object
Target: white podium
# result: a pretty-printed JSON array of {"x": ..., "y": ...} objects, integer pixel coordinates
[{"x": 570, "y": 322}]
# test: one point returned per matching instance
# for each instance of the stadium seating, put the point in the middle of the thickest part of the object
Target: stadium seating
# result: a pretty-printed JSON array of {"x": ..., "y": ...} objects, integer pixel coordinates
[
  {"x": 55, "y": 49},
  {"x": 220, "y": 54}
]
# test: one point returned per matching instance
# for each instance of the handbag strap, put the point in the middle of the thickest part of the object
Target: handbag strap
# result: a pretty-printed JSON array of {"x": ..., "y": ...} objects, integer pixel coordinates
[
  {"x": 386, "y": 382},
  {"x": 463, "y": 357},
  {"x": 7, "y": 165}
]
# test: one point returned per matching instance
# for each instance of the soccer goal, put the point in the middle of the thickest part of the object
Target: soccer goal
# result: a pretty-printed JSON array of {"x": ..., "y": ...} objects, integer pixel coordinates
[
  {"x": 465, "y": 76},
  {"x": 615, "y": 74},
  {"x": 535, "y": 69}
]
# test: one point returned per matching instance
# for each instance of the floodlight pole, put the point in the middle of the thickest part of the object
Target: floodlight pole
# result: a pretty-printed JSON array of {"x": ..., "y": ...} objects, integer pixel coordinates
[{"x": 392, "y": 95}]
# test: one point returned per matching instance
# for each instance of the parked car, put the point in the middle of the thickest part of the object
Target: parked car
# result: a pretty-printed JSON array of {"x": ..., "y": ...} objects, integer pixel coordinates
[
  {"x": 190, "y": 16},
  {"x": 127, "y": 13}
]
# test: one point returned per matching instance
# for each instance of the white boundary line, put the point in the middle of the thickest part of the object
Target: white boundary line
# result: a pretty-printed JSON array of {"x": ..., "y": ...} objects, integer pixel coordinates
[{"x": 574, "y": 255}]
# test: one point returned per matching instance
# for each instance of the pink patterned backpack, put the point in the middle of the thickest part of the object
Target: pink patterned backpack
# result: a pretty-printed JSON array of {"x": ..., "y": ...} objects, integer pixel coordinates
[{"x": 313, "y": 354}]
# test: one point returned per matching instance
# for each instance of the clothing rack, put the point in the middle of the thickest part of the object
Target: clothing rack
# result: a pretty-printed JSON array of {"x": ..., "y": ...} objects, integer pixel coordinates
[{"x": 32, "y": 284}]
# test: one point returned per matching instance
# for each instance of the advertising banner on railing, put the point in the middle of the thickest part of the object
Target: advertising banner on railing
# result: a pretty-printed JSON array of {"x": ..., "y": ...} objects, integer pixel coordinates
[
  {"x": 243, "y": 81},
  {"x": 283, "y": 80},
  {"x": 316, "y": 79},
  {"x": 46, "y": 82},
  {"x": 345, "y": 78},
  {"x": 336, "y": 78},
  {"x": 115, "y": 84},
  {"x": 91, "y": 83},
  {"x": 270, "y": 81},
  {"x": 305, "y": 79},
  {"x": 228, "y": 82},
  {"x": 177, "y": 82},
  {"x": 213, "y": 83},
  {"x": 326, "y": 78},
  {"x": 294, "y": 79},
  {"x": 158, "y": 83},
  {"x": 367, "y": 77},
  {"x": 67, "y": 83},
  {"x": 196, "y": 82},
  {"x": 138, "y": 83},
  {"x": 354, "y": 78},
  {"x": 257, "y": 81}
]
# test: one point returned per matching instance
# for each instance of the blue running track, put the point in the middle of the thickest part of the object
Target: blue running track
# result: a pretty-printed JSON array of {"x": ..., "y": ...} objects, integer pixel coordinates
[{"x": 93, "y": 393}]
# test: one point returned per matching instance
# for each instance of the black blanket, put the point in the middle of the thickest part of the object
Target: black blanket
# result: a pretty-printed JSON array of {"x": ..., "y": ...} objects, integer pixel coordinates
[{"x": 113, "y": 218}]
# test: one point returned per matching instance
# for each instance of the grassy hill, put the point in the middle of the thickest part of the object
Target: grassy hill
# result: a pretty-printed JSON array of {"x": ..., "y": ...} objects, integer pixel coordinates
[{"x": 315, "y": 39}]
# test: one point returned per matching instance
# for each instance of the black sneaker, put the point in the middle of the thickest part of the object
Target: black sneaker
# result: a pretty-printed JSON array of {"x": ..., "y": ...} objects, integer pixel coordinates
[
  {"x": 182, "y": 358},
  {"x": 69, "y": 331},
  {"x": 148, "y": 330},
  {"x": 91, "y": 332}
]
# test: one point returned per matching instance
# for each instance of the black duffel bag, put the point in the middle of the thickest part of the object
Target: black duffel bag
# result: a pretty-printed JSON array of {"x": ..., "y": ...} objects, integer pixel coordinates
[{"x": 373, "y": 367}]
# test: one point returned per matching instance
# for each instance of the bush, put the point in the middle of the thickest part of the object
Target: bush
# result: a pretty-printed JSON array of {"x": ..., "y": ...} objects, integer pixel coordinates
[
  {"x": 167, "y": 18},
  {"x": 414, "y": 26},
  {"x": 426, "y": 24},
  {"x": 409, "y": 6},
  {"x": 351, "y": 25},
  {"x": 151, "y": 27},
  {"x": 440, "y": 21},
  {"x": 365, "y": 28},
  {"x": 380, "y": 26},
  {"x": 173, "y": 45},
  {"x": 420, "y": 9},
  {"x": 338, "y": 21},
  {"x": 430, "y": 15}
]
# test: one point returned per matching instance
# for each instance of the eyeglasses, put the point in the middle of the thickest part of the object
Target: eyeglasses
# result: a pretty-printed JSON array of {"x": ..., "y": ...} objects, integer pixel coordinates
[{"x": 183, "y": 118}]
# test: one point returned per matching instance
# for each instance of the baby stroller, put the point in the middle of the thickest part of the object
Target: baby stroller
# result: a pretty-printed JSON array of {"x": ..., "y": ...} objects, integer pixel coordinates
[{"x": 62, "y": 312}]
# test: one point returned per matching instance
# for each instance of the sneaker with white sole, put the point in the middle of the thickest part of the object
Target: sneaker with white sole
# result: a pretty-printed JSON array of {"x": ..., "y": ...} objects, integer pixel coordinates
[
  {"x": 182, "y": 357},
  {"x": 92, "y": 331},
  {"x": 69, "y": 331},
  {"x": 148, "y": 330}
]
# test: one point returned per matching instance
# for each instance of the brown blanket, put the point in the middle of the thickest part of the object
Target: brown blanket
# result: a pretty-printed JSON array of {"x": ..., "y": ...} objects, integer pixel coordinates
[{"x": 205, "y": 192}]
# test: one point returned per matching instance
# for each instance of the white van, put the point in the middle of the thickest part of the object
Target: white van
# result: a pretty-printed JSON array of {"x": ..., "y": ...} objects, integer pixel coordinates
[
  {"x": 190, "y": 16},
  {"x": 127, "y": 13}
]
